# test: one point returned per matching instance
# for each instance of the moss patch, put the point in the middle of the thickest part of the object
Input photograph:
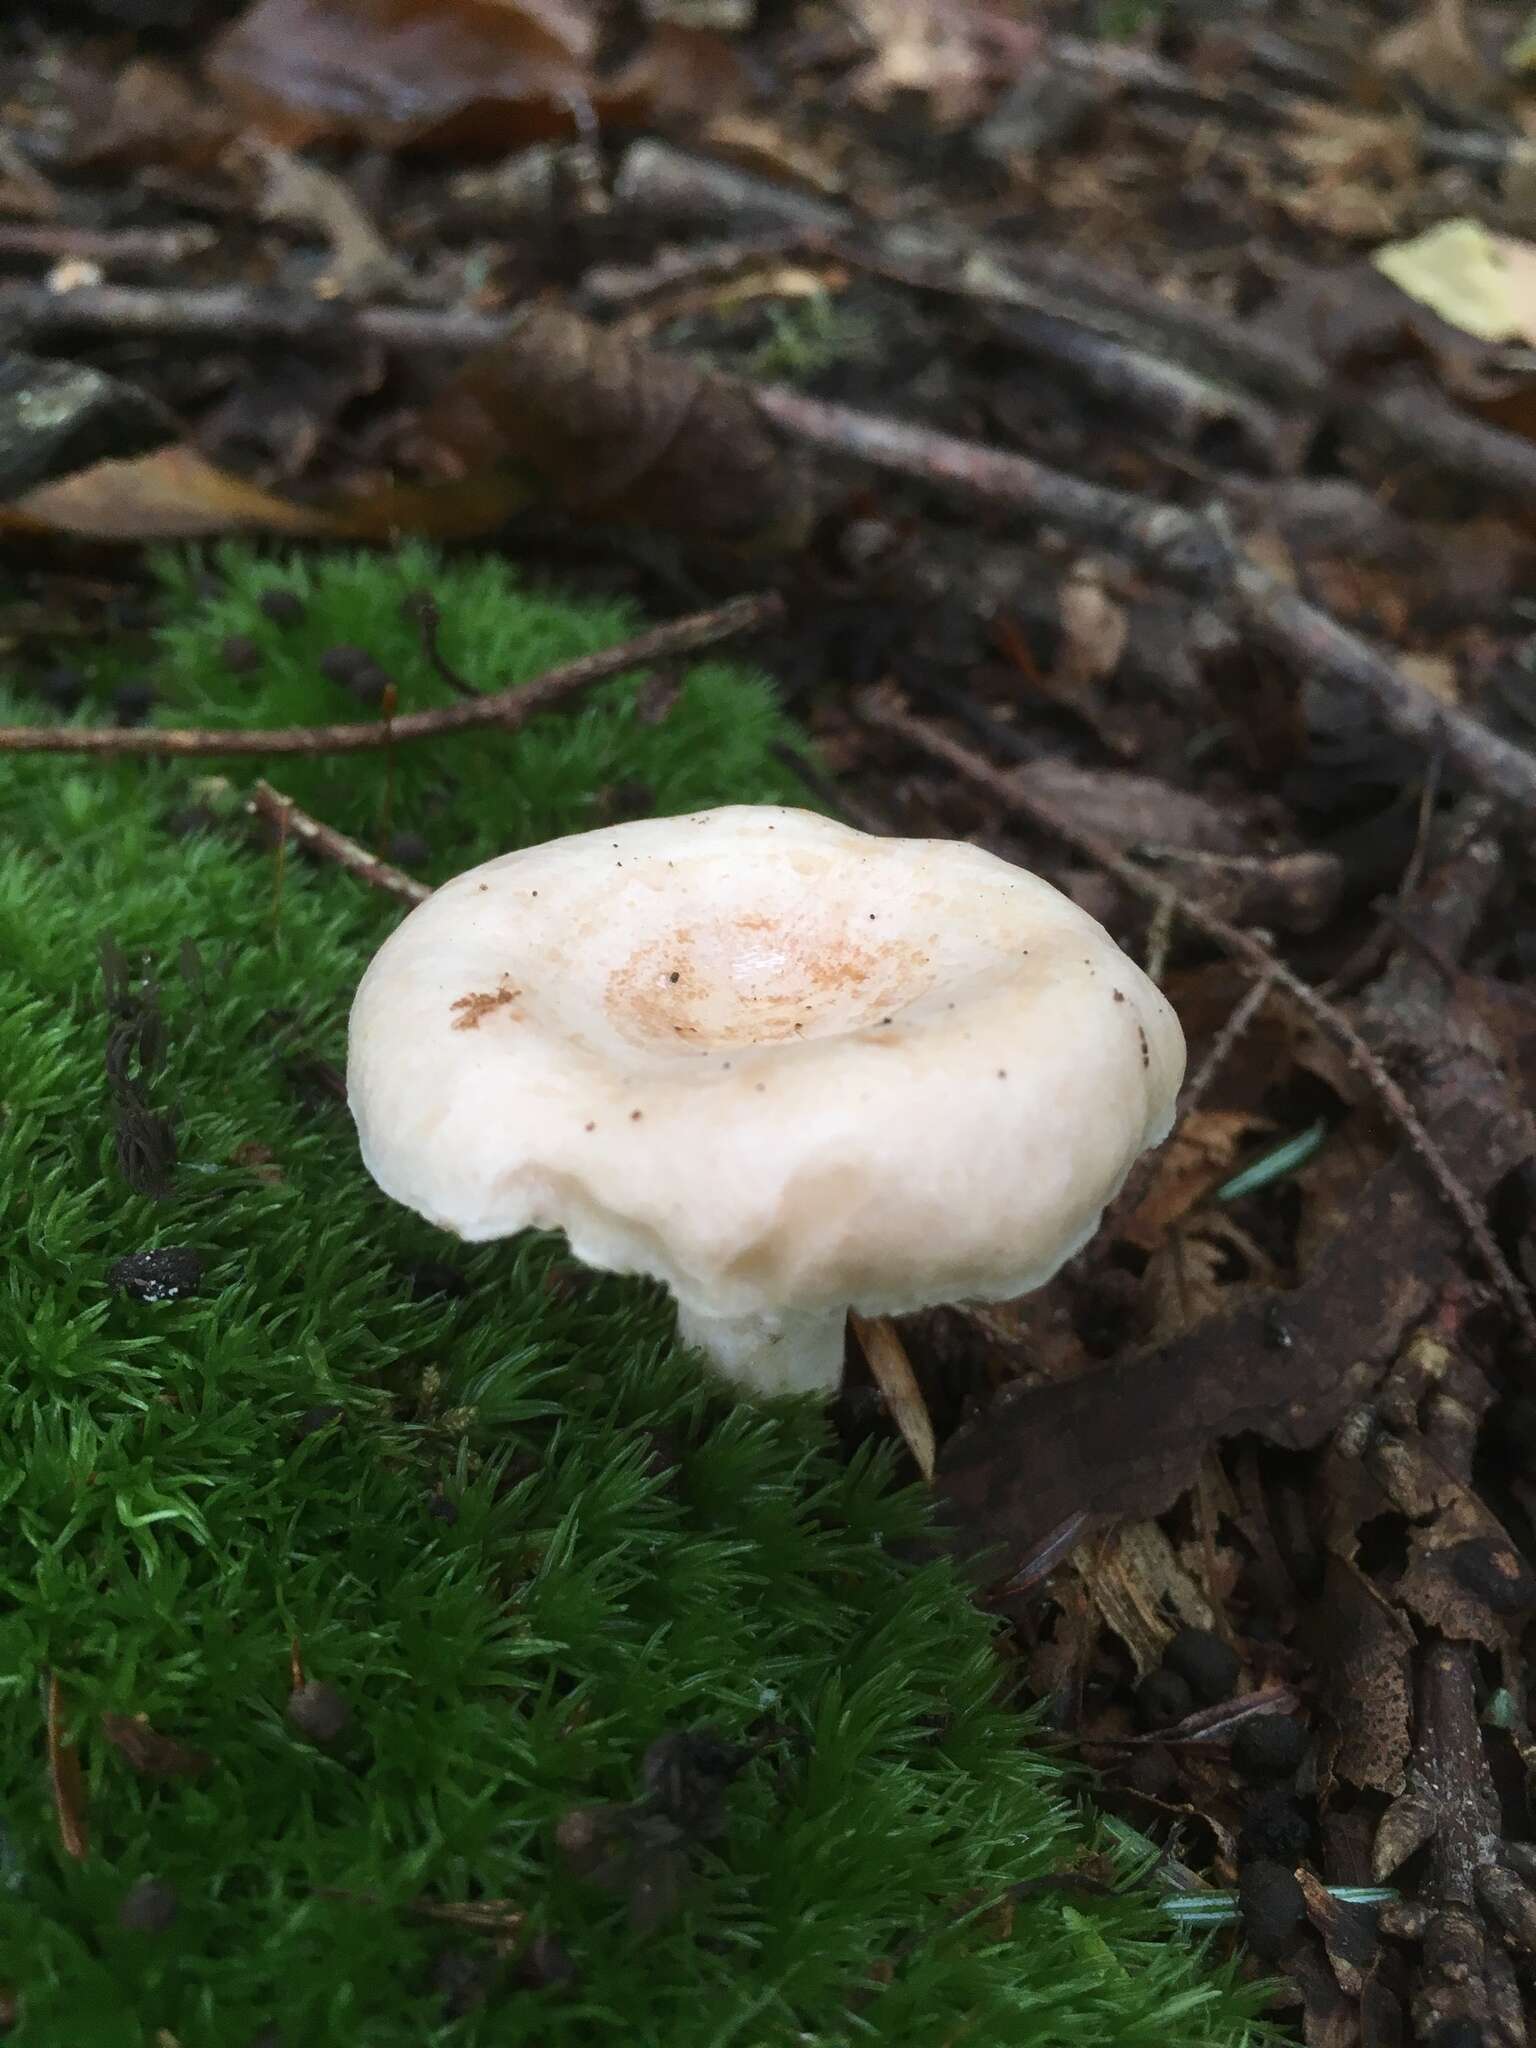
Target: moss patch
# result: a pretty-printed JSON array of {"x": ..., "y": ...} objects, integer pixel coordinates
[{"x": 480, "y": 1499}]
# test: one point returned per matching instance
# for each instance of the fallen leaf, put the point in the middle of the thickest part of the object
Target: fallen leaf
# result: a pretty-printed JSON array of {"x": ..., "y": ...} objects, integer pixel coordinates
[
  {"x": 173, "y": 494},
  {"x": 1202, "y": 1151},
  {"x": 448, "y": 74},
  {"x": 1365, "y": 1656},
  {"x": 271, "y": 422},
  {"x": 1139, "y": 810},
  {"x": 1198, "y": 1271},
  {"x": 609, "y": 429},
  {"x": 1481, "y": 282},
  {"x": 177, "y": 494},
  {"x": 1348, "y": 1931},
  {"x": 1520, "y": 51},
  {"x": 1288, "y": 1364}
]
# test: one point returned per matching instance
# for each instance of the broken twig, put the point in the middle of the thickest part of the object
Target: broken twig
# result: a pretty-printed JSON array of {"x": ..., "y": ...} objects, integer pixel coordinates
[
  {"x": 217, "y": 311},
  {"x": 326, "y": 843},
  {"x": 507, "y": 709}
]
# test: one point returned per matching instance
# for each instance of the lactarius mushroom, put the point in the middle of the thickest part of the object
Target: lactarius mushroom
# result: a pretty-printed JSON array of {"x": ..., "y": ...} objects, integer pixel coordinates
[{"x": 781, "y": 1066}]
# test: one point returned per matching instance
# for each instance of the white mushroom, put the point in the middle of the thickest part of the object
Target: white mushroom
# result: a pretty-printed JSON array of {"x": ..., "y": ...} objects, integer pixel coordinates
[{"x": 781, "y": 1066}]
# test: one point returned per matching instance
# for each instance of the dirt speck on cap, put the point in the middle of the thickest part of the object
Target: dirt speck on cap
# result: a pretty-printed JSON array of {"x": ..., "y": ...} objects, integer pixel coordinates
[{"x": 470, "y": 1009}]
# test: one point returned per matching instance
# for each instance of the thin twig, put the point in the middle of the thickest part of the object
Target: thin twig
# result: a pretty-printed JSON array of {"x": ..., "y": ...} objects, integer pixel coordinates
[
  {"x": 509, "y": 709},
  {"x": 884, "y": 710},
  {"x": 150, "y": 247},
  {"x": 1189, "y": 550},
  {"x": 326, "y": 843},
  {"x": 1223, "y": 1044},
  {"x": 218, "y": 311}
]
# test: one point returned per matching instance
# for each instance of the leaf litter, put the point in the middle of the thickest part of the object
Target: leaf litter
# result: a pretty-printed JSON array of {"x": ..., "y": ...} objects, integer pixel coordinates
[{"x": 1279, "y": 281}]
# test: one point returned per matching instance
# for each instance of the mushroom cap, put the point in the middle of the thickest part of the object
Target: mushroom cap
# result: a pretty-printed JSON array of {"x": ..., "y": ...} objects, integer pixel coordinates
[{"x": 770, "y": 1061}]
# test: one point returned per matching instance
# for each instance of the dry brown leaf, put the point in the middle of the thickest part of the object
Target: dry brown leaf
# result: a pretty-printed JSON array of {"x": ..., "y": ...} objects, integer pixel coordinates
[
  {"x": 1331, "y": 1180},
  {"x": 465, "y": 74},
  {"x": 1348, "y": 1931},
  {"x": 177, "y": 494},
  {"x": 1198, "y": 1270},
  {"x": 1365, "y": 1656},
  {"x": 1201, "y": 1152},
  {"x": 608, "y": 429},
  {"x": 1288, "y": 1364},
  {"x": 173, "y": 494}
]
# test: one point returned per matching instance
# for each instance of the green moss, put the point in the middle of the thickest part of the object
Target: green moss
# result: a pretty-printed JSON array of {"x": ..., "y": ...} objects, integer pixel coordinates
[{"x": 522, "y": 1538}]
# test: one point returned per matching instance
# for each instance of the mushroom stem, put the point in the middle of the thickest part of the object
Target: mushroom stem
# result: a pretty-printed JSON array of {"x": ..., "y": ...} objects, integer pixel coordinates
[{"x": 797, "y": 1351}]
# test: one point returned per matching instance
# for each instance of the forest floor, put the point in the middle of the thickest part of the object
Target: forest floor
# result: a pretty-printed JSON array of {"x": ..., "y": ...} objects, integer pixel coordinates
[{"x": 1136, "y": 420}]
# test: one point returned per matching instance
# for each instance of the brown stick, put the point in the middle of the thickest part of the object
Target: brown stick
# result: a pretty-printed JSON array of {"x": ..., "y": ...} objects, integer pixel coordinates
[
  {"x": 218, "y": 311},
  {"x": 326, "y": 843},
  {"x": 1190, "y": 550},
  {"x": 509, "y": 709},
  {"x": 150, "y": 247},
  {"x": 885, "y": 711}
]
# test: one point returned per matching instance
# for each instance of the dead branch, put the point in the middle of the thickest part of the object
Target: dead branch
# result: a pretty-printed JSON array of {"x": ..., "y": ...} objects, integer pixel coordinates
[
  {"x": 1224, "y": 1044},
  {"x": 326, "y": 843},
  {"x": 507, "y": 709},
  {"x": 1190, "y": 550},
  {"x": 149, "y": 248},
  {"x": 1185, "y": 406},
  {"x": 217, "y": 311},
  {"x": 885, "y": 711}
]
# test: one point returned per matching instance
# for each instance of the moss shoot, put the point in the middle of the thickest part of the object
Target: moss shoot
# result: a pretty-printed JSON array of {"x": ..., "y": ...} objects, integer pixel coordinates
[{"x": 432, "y": 1656}]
